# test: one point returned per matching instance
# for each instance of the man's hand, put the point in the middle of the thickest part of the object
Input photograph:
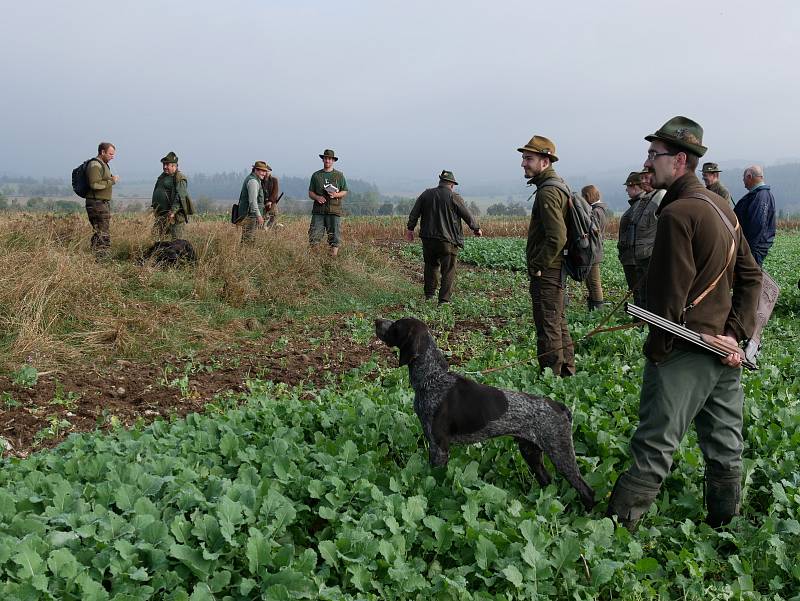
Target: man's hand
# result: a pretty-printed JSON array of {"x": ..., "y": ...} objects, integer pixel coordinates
[
  {"x": 268, "y": 205},
  {"x": 734, "y": 359},
  {"x": 115, "y": 178},
  {"x": 479, "y": 232},
  {"x": 260, "y": 220},
  {"x": 171, "y": 217},
  {"x": 409, "y": 235}
]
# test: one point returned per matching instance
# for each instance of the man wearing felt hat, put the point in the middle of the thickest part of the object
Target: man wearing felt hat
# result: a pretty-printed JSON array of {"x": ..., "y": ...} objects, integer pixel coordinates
[
  {"x": 710, "y": 173},
  {"x": 251, "y": 202},
  {"x": 702, "y": 275},
  {"x": 327, "y": 188},
  {"x": 637, "y": 232},
  {"x": 171, "y": 203},
  {"x": 440, "y": 211},
  {"x": 547, "y": 237}
]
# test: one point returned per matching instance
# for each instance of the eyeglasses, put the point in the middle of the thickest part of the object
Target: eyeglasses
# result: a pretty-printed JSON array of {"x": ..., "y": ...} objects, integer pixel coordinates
[{"x": 652, "y": 155}]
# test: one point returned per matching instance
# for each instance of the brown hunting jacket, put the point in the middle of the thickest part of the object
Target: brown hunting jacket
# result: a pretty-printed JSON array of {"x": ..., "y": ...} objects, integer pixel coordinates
[
  {"x": 691, "y": 249},
  {"x": 547, "y": 230},
  {"x": 719, "y": 189},
  {"x": 441, "y": 211}
]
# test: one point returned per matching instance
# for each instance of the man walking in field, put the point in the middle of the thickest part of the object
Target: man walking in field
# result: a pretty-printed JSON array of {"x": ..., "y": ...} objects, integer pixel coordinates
[
  {"x": 251, "y": 202},
  {"x": 171, "y": 203},
  {"x": 756, "y": 213},
  {"x": 710, "y": 173},
  {"x": 98, "y": 200},
  {"x": 327, "y": 188},
  {"x": 440, "y": 211},
  {"x": 701, "y": 274},
  {"x": 547, "y": 237}
]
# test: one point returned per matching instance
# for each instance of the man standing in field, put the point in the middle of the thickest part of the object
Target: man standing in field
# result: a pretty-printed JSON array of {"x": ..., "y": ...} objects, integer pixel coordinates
[
  {"x": 547, "y": 237},
  {"x": 271, "y": 189},
  {"x": 327, "y": 188},
  {"x": 171, "y": 204},
  {"x": 251, "y": 202},
  {"x": 440, "y": 210},
  {"x": 710, "y": 173},
  {"x": 594, "y": 286},
  {"x": 98, "y": 199},
  {"x": 637, "y": 231},
  {"x": 699, "y": 257},
  {"x": 756, "y": 213}
]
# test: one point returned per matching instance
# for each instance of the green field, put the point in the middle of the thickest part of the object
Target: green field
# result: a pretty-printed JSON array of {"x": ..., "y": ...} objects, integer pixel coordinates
[{"x": 298, "y": 493}]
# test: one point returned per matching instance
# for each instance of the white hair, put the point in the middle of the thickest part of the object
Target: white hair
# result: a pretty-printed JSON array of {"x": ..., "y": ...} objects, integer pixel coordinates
[{"x": 755, "y": 171}]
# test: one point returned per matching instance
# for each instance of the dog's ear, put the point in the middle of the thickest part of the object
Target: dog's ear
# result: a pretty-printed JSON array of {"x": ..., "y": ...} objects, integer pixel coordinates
[{"x": 409, "y": 342}]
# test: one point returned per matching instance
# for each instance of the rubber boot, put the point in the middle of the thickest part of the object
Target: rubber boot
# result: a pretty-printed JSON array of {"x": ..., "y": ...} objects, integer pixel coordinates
[
  {"x": 594, "y": 305},
  {"x": 723, "y": 494},
  {"x": 630, "y": 500}
]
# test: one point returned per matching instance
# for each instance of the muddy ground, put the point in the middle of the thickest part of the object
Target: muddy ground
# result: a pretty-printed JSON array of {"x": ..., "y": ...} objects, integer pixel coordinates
[{"x": 120, "y": 394}]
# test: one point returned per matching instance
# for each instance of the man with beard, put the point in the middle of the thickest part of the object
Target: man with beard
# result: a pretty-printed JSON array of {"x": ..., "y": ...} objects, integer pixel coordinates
[
  {"x": 98, "y": 200},
  {"x": 547, "y": 237},
  {"x": 701, "y": 274}
]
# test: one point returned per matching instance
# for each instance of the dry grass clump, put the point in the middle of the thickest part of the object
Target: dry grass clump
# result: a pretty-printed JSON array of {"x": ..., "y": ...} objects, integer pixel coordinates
[{"x": 59, "y": 305}]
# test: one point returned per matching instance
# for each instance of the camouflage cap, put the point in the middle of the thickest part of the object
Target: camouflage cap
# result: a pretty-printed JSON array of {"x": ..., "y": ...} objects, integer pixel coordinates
[
  {"x": 683, "y": 133},
  {"x": 711, "y": 168},
  {"x": 170, "y": 158},
  {"x": 261, "y": 165},
  {"x": 329, "y": 153},
  {"x": 447, "y": 176},
  {"x": 634, "y": 179},
  {"x": 541, "y": 145}
]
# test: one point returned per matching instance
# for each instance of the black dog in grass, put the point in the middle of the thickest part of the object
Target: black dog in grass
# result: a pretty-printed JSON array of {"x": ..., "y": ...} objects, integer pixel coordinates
[
  {"x": 456, "y": 410},
  {"x": 166, "y": 253}
]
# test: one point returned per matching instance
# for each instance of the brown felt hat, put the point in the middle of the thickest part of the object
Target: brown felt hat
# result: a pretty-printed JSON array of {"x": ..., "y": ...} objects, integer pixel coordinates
[
  {"x": 541, "y": 145},
  {"x": 683, "y": 133},
  {"x": 711, "y": 168},
  {"x": 261, "y": 165},
  {"x": 329, "y": 153},
  {"x": 634, "y": 179}
]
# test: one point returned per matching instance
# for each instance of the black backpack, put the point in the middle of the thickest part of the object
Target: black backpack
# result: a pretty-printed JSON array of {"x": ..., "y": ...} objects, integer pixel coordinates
[
  {"x": 583, "y": 235},
  {"x": 80, "y": 178}
]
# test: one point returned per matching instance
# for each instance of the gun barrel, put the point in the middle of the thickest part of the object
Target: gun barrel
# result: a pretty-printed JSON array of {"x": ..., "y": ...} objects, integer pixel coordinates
[{"x": 682, "y": 332}]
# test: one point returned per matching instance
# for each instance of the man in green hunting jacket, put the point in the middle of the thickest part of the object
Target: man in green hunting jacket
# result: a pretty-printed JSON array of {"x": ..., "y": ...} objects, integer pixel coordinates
[
  {"x": 710, "y": 174},
  {"x": 327, "y": 188},
  {"x": 547, "y": 237},
  {"x": 98, "y": 200},
  {"x": 441, "y": 211},
  {"x": 171, "y": 203},
  {"x": 251, "y": 202},
  {"x": 701, "y": 274}
]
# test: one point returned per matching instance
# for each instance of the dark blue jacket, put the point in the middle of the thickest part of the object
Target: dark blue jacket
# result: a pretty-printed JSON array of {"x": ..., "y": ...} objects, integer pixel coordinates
[{"x": 756, "y": 214}]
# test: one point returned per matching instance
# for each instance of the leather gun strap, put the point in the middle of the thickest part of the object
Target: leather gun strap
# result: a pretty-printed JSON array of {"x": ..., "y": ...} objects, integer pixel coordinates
[{"x": 732, "y": 229}]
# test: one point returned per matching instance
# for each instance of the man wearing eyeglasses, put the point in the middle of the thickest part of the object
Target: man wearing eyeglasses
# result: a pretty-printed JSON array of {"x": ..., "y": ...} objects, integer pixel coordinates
[
  {"x": 547, "y": 237},
  {"x": 699, "y": 257}
]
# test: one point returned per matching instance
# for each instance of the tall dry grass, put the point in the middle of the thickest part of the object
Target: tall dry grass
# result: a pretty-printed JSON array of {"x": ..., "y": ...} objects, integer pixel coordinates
[{"x": 59, "y": 305}]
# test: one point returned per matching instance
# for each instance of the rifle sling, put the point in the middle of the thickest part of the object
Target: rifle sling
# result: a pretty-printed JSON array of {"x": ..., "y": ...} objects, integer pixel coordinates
[{"x": 732, "y": 229}]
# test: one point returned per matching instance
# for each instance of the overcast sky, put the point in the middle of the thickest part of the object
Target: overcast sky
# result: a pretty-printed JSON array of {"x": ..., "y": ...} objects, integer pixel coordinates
[{"x": 400, "y": 90}]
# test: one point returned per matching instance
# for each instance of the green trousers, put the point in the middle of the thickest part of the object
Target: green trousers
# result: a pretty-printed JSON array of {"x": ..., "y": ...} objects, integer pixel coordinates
[
  {"x": 164, "y": 230},
  {"x": 440, "y": 258},
  {"x": 553, "y": 342},
  {"x": 687, "y": 387}
]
